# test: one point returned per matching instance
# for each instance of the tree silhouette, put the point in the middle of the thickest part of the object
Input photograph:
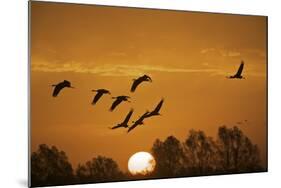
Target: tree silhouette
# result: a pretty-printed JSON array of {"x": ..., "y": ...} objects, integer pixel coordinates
[
  {"x": 237, "y": 153},
  {"x": 200, "y": 153},
  {"x": 169, "y": 157},
  {"x": 99, "y": 169},
  {"x": 49, "y": 166}
]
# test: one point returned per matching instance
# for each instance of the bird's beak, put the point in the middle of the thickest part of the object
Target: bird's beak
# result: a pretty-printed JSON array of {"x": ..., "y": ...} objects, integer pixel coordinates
[{"x": 72, "y": 87}]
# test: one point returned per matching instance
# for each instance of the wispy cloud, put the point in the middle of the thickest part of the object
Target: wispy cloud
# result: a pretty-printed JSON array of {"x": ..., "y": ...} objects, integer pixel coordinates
[
  {"x": 133, "y": 70},
  {"x": 227, "y": 53},
  {"x": 222, "y": 52},
  {"x": 112, "y": 69},
  {"x": 207, "y": 50}
]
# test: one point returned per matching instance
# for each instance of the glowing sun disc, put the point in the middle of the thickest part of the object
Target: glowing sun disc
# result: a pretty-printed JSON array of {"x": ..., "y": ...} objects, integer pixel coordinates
[{"x": 141, "y": 163}]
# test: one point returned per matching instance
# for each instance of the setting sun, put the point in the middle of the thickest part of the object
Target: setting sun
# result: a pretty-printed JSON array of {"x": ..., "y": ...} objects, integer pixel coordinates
[{"x": 141, "y": 163}]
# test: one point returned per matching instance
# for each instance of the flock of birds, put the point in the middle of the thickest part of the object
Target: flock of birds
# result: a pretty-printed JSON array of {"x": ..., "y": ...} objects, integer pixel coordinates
[
  {"x": 118, "y": 100},
  {"x": 124, "y": 98}
]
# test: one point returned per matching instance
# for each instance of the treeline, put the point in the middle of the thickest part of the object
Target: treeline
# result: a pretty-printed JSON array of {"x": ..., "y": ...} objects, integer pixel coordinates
[
  {"x": 198, "y": 154},
  {"x": 231, "y": 152}
]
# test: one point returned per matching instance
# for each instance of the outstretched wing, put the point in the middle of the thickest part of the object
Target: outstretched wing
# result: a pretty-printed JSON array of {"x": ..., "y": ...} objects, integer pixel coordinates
[
  {"x": 57, "y": 89},
  {"x": 133, "y": 126},
  {"x": 145, "y": 115},
  {"x": 115, "y": 127},
  {"x": 128, "y": 117},
  {"x": 135, "y": 85},
  {"x": 139, "y": 121},
  {"x": 115, "y": 103},
  {"x": 158, "y": 107},
  {"x": 97, "y": 97},
  {"x": 239, "y": 72}
]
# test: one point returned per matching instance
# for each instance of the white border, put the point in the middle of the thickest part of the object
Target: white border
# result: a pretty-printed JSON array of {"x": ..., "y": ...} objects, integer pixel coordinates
[{"x": 14, "y": 91}]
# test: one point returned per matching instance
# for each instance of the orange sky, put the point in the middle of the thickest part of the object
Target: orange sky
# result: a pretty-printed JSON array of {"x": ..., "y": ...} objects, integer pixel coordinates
[{"x": 187, "y": 55}]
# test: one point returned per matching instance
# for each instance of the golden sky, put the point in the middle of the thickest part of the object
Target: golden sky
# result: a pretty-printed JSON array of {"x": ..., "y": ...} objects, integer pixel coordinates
[{"x": 187, "y": 54}]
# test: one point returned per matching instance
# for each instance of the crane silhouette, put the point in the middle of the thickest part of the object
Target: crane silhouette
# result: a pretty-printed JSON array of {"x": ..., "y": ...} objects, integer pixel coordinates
[
  {"x": 238, "y": 74},
  {"x": 138, "y": 122},
  {"x": 99, "y": 94},
  {"x": 125, "y": 122},
  {"x": 139, "y": 80},
  {"x": 118, "y": 100},
  {"x": 155, "y": 112},
  {"x": 60, "y": 86}
]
